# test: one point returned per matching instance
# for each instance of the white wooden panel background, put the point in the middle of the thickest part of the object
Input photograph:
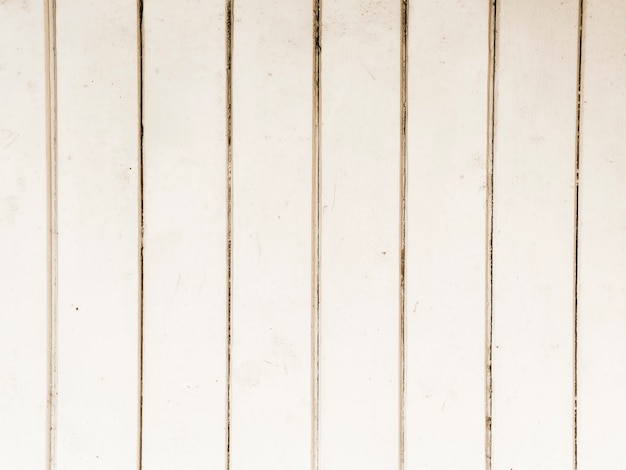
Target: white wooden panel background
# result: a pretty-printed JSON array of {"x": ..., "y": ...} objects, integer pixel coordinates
[{"x": 305, "y": 234}]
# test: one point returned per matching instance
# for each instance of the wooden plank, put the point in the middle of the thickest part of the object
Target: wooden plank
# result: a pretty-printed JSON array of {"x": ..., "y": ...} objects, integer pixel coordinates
[
  {"x": 271, "y": 297},
  {"x": 533, "y": 234},
  {"x": 184, "y": 374},
  {"x": 98, "y": 169},
  {"x": 602, "y": 231},
  {"x": 360, "y": 233},
  {"x": 23, "y": 231},
  {"x": 445, "y": 239}
]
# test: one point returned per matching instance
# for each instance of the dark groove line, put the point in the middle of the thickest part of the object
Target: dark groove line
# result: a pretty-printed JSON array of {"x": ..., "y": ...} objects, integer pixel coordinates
[
  {"x": 140, "y": 97},
  {"x": 53, "y": 230},
  {"x": 229, "y": 219},
  {"x": 576, "y": 198},
  {"x": 491, "y": 118},
  {"x": 403, "y": 194},
  {"x": 316, "y": 239}
]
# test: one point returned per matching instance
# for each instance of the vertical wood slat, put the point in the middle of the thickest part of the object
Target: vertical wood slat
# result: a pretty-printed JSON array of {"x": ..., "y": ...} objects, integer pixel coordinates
[
  {"x": 445, "y": 252},
  {"x": 98, "y": 214},
  {"x": 602, "y": 232},
  {"x": 533, "y": 241},
  {"x": 360, "y": 223},
  {"x": 24, "y": 234},
  {"x": 271, "y": 244},
  {"x": 185, "y": 377}
]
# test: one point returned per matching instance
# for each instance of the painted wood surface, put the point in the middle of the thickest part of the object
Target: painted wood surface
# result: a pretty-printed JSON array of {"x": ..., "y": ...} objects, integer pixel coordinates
[
  {"x": 327, "y": 235},
  {"x": 360, "y": 235},
  {"x": 534, "y": 165},
  {"x": 97, "y": 422},
  {"x": 23, "y": 237},
  {"x": 184, "y": 258},
  {"x": 601, "y": 239},
  {"x": 270, "y": 398},
  {"x": 446, "y": 218}
]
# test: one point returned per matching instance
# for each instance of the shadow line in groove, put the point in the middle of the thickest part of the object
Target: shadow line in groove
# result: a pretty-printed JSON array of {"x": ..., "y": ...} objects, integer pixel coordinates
[
  {"x": 52, "y": 223},
  {"x": 489, "y": 216},
  {"x": 315, "y": 236},
  {"x": 229, "y": 31}
]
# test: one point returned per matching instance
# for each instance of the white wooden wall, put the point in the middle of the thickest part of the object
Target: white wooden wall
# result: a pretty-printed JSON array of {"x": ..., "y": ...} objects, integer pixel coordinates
[{"x": 313, "y": 234}]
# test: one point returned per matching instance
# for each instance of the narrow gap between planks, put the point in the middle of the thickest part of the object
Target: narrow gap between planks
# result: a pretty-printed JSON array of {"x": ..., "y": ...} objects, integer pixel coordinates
[
  {"x": 229, "y": 30},
  {"x": 140, "y": 215},
  {"x": 315, "y": 236},
  {"x": 53, "y": 231},
  {"x": 581, "y": 6},
  {"x": 404, "y": 31},
  {"x": 491, "y": 124}
]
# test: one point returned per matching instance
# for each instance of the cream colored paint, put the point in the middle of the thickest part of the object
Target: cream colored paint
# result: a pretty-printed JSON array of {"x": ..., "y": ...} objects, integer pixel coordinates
[
  {"x": 534, "y": 234},
  {"x": 23, "y": 237},
  {"x": 360, "y": 235},
  {"x": 313, "y": 285},
  {"x": 602, "y": 236},
  {"x": 445, "y": 246},
  {"x": 184, "y": 206},
  {"x": 98, "y": 236},
  {"x": 271, "y": 235}
]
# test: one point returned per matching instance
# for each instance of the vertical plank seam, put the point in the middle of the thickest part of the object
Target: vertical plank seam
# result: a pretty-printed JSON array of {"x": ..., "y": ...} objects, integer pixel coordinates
[
  {"x": 53, "y": 231},
  {"x": 403, "y": 194},
  {"x": 229, "y": 220},
  {"x": 490, "y": 160},
  {"x": 140, "y": 59},
  {"x": 576, "y": 198},
  {"x": 316, "y": 239}
]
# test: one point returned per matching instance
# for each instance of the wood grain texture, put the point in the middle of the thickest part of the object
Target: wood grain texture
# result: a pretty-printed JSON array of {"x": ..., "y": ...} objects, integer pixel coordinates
[
  {"x": 602, "y": 233},
  {"x": 185, "y": 334},
  {"x": 271, "y": 296},
  {"x": 533, "y": 234},
  {"x": 98, "y": 317},
  {"x": 360, "y": 235},
  {"x": 23, "y": 235},
  {"x": 445, "y": 243}
]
